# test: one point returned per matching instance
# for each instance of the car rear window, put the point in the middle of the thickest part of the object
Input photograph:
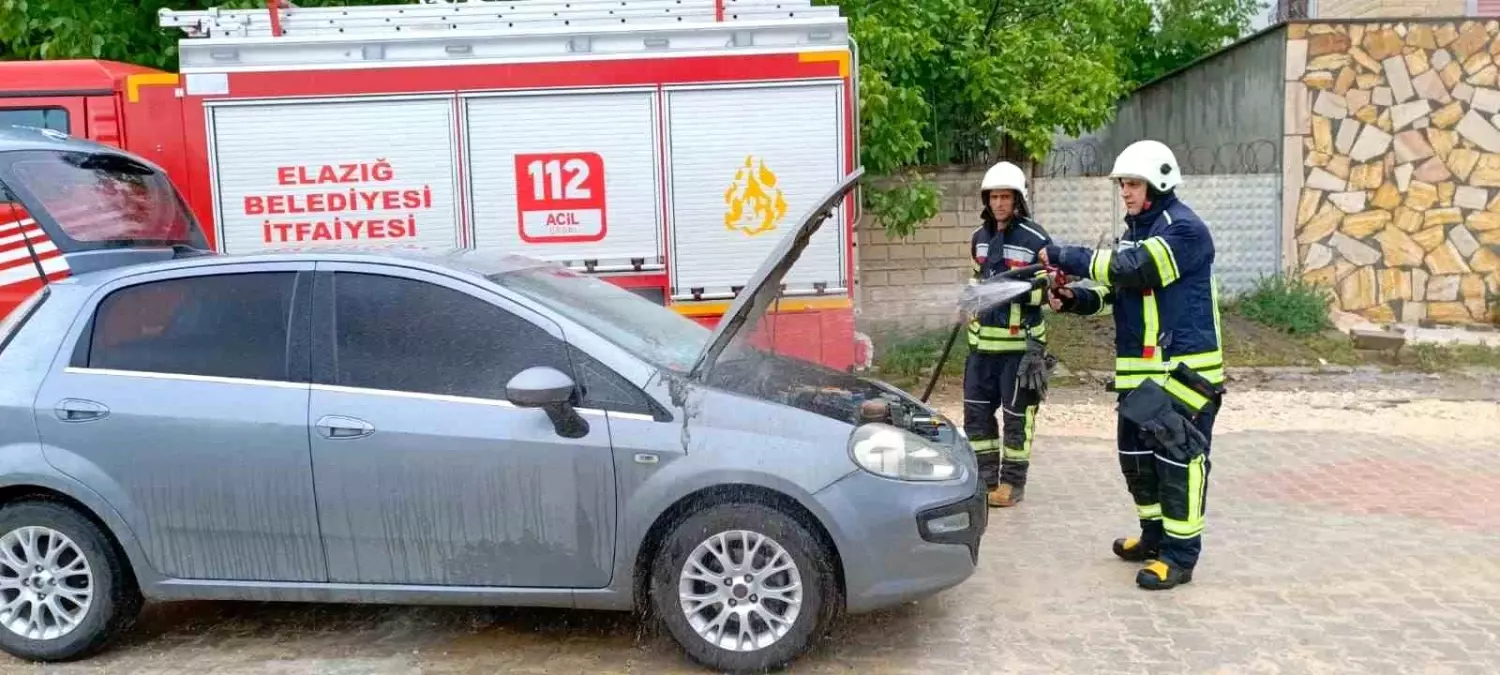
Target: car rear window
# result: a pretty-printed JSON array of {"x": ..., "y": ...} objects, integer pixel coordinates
[
  {"x": 222, "y": 325},
  {"x": 100, "y": 198}
]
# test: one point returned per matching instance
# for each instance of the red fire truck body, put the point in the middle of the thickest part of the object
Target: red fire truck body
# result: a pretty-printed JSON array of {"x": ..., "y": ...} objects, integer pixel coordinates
[{"x": 665, "y": 145}]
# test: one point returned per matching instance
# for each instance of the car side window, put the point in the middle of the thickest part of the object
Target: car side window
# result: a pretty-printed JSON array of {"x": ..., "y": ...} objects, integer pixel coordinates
[
  {"x": 400, "y": 334},
  {"x": 220, "y": 325},
  {"x": 606, "y": 390}
]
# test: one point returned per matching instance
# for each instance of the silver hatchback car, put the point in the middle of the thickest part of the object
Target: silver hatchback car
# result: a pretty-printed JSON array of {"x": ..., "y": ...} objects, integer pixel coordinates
[{"x": 391, "y": 428}]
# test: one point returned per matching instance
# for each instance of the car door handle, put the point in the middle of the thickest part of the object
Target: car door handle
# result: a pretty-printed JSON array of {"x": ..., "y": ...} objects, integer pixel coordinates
[
  {"x": 79, "y": 410},
  {"x": 340, "y": 427}
]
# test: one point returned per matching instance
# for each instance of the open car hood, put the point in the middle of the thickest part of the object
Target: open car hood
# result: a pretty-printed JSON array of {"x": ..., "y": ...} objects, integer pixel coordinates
[{"x": 765, "y": 285}]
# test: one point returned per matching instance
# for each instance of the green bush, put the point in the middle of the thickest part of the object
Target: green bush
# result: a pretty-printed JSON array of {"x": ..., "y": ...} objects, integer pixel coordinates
[{"x": 1293, "y": 305}]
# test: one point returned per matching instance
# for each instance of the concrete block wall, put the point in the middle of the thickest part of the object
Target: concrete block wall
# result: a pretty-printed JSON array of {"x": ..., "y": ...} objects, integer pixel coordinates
[{"x": 912, "y": 284}]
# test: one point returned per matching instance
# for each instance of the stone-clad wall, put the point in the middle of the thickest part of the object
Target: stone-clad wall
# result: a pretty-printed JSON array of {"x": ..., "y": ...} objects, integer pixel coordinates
[{"x": 1397, "y": 207}]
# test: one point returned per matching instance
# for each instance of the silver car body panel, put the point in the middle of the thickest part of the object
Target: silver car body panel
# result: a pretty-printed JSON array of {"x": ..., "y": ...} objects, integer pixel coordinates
[{"x": 215, "y": 493}]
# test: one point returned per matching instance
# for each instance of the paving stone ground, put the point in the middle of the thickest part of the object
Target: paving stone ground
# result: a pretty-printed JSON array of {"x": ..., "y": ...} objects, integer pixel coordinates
[{"x": 1350, "y": 530}]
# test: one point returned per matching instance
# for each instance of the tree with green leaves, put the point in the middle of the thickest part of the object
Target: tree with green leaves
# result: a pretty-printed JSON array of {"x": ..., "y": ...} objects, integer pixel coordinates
[
  {"x": 943, "y": 81},
  {"x": 974, "y": 73},
  {"x": 1179, "y": 32},
  {"x": 109, "y": 29}
]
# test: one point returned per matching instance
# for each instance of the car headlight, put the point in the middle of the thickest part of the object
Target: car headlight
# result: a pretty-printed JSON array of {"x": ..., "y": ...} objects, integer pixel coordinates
[{"x": 888, "y": 451}]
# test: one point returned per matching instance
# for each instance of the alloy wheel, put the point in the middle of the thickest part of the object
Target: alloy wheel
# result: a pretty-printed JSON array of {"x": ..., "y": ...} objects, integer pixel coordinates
[
  {"x": 740, "y": 590},
  {"x": 46, "y": 584}
]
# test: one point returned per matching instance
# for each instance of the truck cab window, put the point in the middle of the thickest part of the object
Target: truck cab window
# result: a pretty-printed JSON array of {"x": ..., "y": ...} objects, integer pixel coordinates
[{"x": 55, "y": 119}]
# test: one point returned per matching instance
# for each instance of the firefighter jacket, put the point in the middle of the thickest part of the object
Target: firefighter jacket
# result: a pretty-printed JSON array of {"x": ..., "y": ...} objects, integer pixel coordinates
[
  {"x": 993, "y": 250},
  {"x": 1158, "y": 282}
]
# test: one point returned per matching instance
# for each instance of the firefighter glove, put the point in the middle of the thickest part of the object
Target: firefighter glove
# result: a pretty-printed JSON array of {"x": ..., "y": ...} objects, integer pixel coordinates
[
  {"x": 1162, "y": 428},
  {"x": 1036, "y": 367},
  {"x": 1066, "y": 300}
]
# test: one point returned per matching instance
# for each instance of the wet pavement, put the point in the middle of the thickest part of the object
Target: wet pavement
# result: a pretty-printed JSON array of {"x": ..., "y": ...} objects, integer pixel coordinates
[{"x": 1352, "y": 528}]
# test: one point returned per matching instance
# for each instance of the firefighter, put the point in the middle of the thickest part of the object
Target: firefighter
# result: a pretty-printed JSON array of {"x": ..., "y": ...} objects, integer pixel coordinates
[
  {"x": 1169, "y": 368},
  {"x": 1007, "y": 343}
]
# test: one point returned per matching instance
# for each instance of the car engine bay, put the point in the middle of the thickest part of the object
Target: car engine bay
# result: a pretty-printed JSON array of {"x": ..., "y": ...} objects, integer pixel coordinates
[{"x": 841, "y": 396}]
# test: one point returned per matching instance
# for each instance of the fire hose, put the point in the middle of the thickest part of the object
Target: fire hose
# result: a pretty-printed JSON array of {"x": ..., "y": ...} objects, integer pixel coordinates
[{"x": 997, "y": 290}]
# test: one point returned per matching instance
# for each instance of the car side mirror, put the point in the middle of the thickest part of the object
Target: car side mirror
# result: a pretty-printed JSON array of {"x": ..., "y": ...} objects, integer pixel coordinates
[{"x": 552, "y": 391}]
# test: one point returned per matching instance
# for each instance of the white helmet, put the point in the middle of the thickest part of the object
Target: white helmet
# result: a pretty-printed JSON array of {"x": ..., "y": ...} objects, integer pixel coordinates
[
  {"x": 1150, "y": 161},
  {"x": 1005, "y": 175}
]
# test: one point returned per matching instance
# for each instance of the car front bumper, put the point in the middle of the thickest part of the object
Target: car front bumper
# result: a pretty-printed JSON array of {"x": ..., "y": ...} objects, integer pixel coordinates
[{"x": 903, "y": 541}]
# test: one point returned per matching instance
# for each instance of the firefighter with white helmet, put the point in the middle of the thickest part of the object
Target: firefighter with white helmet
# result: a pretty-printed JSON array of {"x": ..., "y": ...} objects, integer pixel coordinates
[
  {"x": 1004, "y": 375},
  {"x": 1169, "y": 367}
]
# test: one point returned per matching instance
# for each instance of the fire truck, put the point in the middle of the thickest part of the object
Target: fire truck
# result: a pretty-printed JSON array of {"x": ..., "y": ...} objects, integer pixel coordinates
[{"x": 665, "y": 145}]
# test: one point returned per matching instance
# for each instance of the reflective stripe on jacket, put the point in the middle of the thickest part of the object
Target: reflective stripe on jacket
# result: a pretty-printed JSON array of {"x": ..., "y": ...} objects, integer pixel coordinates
[
  {"x": 1158, "y": 283},
  {"x": 993, "y": 250}
]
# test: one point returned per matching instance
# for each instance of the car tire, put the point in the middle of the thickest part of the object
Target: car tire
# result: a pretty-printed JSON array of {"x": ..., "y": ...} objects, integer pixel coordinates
[
  {"x": 109, "y": 606},
  {"x": 776, "y": 539}
]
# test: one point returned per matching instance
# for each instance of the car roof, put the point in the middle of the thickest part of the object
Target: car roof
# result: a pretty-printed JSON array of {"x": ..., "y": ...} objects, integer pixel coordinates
[
  {"x": 464, "y": 262},
  {"x": 15, "y": 137}
]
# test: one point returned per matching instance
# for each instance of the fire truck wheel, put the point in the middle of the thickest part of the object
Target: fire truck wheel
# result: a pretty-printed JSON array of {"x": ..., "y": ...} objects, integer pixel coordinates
[
  {"x": 744, "y": 587},
  {"x": 64, "y": 591}
]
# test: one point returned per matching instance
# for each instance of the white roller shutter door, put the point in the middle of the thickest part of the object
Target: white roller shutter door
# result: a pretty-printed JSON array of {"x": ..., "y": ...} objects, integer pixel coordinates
[
  {"x": 610, "y": 221},
  {"x": 373, "y": 173},
  {"x": 793, "y": 139}
]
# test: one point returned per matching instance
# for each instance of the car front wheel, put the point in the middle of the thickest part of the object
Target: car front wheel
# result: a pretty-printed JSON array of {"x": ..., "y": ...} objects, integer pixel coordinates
[
  {"x": 744, "y": 587},
  {"x": 63, "y": 592}
]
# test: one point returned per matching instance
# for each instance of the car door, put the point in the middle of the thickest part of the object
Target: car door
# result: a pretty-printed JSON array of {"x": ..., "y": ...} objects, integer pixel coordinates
[
  {"x": 181, "y": 397},
  {"x": 425, "y": 473}
]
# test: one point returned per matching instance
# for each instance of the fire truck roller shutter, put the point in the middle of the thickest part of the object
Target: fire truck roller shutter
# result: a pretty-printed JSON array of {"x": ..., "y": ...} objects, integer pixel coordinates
[
  {"x": 566, "y": 176},
  {"x": 746, "y": 161},
  {"x": 373, "y": 173}
]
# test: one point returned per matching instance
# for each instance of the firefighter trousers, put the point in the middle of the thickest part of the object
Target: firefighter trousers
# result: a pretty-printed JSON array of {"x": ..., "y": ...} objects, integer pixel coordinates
[
  {"x": 990, "y": 394},
  {"x": 1170, "y": 496}
]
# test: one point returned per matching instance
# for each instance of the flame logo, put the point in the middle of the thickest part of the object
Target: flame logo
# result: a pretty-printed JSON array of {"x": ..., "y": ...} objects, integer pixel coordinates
[{"x": 755, "y": 204}]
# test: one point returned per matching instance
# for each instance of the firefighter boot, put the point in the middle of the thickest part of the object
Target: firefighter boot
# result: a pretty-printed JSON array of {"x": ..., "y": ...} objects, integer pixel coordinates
[
  {"x": 1159, "y": 575},
  {"x": 1006, "y": 495},
  {"x": 1133, "y": 549}
]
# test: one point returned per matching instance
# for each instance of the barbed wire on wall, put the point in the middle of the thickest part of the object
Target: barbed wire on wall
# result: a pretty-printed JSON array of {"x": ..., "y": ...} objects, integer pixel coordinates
[
  {"x": 1087, "y": 158},
  {"x": 1288, "y": 10}
]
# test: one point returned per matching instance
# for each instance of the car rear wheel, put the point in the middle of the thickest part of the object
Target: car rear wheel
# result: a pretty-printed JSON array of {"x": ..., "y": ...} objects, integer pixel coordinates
[
  {"x": 64, "y": 592},
  {"x": 744, "y": 588}
]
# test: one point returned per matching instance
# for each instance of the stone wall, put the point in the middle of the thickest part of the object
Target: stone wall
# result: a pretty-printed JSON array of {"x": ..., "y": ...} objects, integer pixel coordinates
[
  {"x": 1367, "y": 9},
  {"x": 912, "y": 283},
  {"x": 1397, "y": 207}
]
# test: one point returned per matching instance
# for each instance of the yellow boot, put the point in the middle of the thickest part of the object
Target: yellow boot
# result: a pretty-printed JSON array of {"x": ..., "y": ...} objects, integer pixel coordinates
[
  {"x": 1135, "y": 550},
  {"x": 1005, "y": 495},
  {"x": 1160, "y": 576}
]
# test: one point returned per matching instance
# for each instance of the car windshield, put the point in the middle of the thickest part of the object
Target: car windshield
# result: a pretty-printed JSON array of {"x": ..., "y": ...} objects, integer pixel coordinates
[
  {"x": 103, "y": 200},
  {"x": 652, "y": 332}
]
